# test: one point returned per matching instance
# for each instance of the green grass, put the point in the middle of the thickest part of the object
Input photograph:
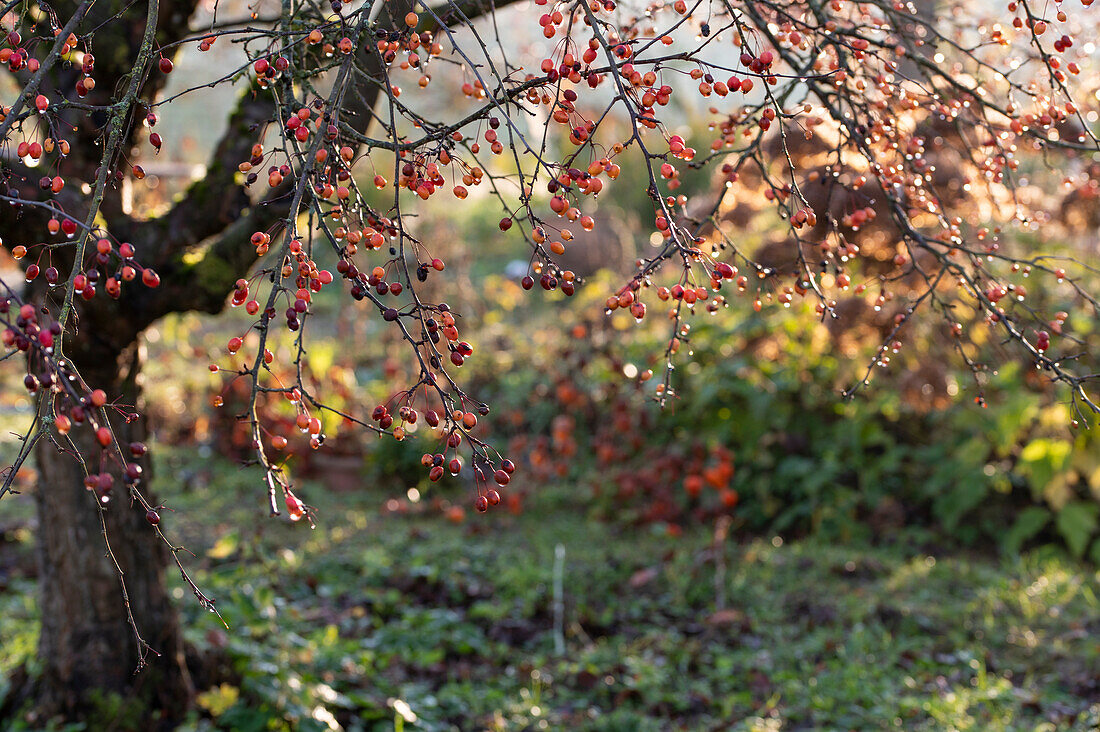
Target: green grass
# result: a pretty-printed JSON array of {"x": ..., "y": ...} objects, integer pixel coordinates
[{"x": 454, "y": 623}]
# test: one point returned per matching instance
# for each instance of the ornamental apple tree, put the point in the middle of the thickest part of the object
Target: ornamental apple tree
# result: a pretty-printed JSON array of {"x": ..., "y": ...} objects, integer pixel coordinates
[{"x": 890, "y": 141}]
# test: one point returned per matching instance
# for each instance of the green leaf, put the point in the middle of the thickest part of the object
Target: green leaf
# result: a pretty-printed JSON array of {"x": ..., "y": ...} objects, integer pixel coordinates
[
  {"x": 217, "y": 700},
  {"x": 1041, "y": 460},
  {"x": 1028, "y": 523},
  {"x": 1076, "y": 523},
  {"x": 225, "y": 547},
  {"x": 968, "y": 491}
]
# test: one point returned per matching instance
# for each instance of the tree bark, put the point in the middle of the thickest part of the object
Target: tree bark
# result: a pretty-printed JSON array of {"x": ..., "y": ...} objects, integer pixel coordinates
[{"x": 88, "y": 649}]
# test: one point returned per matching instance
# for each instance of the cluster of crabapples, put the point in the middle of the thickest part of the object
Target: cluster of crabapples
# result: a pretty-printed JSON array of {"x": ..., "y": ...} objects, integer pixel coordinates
[
  {"x": 17, "y": 56},
  {"x": 27, "y": 331},
  {"x": 438, "y": 465},
  {"x": 451, "y": 431},
  {"x": 1018, "y": 292},
  {"x": 108, "y": 266},
  {"x": 29, "y": 334},
  {"x": 270, "y": 68},
  {"x": 299, "y": 268},
  {"x": 103, "y": 483},
  {"x": 628, "y": 297},
  {"x": 445, "y": 327},
  {"x": 416, "y": 50}
]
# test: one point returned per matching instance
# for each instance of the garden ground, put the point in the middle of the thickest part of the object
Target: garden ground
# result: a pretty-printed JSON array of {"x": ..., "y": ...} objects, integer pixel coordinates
[{"x": 422, "y": 619}]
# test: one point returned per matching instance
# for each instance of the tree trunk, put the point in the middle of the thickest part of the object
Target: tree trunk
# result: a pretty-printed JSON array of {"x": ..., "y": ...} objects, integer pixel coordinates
[{"x": 88, "y": 652}]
